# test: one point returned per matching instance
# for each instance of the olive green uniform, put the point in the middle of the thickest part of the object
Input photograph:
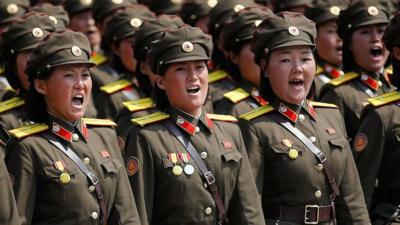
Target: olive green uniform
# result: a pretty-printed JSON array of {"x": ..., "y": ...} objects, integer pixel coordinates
[
  {"x": 219, "y": 82},
  {"x": 376, "y": 152},
  {"x": 43, "y": 196},
  {"x": 165, "y": 198},
  {"x": 325, "y": 73},
  {"x": 288, "y": 174}
]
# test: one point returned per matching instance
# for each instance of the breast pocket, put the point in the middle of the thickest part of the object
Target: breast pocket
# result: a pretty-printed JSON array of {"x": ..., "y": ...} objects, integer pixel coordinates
[
  {"x": 281, "y": 153},
  {"x": 65, "y": 177},
  {"x": 338, "y": 143}
]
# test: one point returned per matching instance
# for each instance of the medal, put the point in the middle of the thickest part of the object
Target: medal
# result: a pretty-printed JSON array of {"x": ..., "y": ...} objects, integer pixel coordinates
[
  {"x": 188, "y": 169},
  {"x": 293, "y": 153},
  {"x": 65, "y": 178},
  {"x": 176, "y": 169}
]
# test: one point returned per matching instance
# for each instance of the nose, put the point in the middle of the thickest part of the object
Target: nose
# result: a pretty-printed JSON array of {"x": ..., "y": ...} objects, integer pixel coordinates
[
  {"x": 79, "y": 83},
  {"x": 375, "y": 35},
  {"x": 297, "y": 67}
]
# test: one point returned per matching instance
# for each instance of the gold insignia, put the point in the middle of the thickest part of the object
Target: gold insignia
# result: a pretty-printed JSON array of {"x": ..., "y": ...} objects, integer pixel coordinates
[
  {"x": 136, "y": 22},
  {"x": 140, "y": 104},
  {"x": 360, "y": 142},
  {"x": 257, "y": 112},
  {"x": 236, "y": 95},
  {"x": 65, "y": 178},
  {"x": 37, "y": 32},
  {"x": 86, "y": 2},
  {"x": 373, "y": 11},
  {"x": 117, "y": 1},
  {"x": 344, "y": 79},
  {"x": 216, "y": 76},
  {"x": 257, "y": 23},
  {"x": 385, "y": 98},
  {"x": 12, "y": 8},
  {"x": 132, "y": 165},
  {"x": 76, "y": 51},
  {"x": 323, "y": 105},
  {"x": 177, "y": 2},
  {"x": 99, "y": 122},
  {"x": 335, "y": 10},
  {"x": 116, "y": 86},
  {"x": 98, "y": 59},
  {"x": 219, "y": 117},
  {"x": 187, "y": 46},
  {"x": 238, "y": 7},
  {"x": 293, "y": 153},
  {"x": 28, "y": 130},
  {"x": 149, "y": 119},
  {"x": 53, "y": 19},
  {"x": 293, "y": 30},
  {"x": 212, "y": 3},
  {"x": 177, "y": 170},
  {"x": 11, "y": 104}
]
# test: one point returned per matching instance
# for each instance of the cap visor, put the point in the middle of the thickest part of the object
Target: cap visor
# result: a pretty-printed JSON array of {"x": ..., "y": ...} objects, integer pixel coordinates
[
  {"x": 188, "y": 58},
  {"x": 294, "y": 43}
]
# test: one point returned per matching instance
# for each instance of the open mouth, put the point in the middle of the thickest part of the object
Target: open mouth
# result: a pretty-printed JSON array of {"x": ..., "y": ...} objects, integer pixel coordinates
[
  {"x": 296, "y": 82},
  {"x": 77, "y": 100},
  {"x": 376, "y": 51},
  {"x": 339, "y": 49},
  {"x": 193, "y": 89}
]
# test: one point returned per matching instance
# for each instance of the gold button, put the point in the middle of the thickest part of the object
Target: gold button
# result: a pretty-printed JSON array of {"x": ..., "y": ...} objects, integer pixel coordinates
[
  {"x": 208, "y": 210},
  {"x": 86, "y": 161},
  {"x": 380, "y": 83},
  {"x": 319, "y": 167},
  {"x": 203, "y": 155},
  {"x": 94, "y": 215},
  {"x": 318, "y": 194},
  {"x": 313, "y": 139},
  {"x": 75, "y": 137},
  {"x": 197, "y": 129},
  {"x": 92, "y": 188},
  {"x": 301, "y": 117}
]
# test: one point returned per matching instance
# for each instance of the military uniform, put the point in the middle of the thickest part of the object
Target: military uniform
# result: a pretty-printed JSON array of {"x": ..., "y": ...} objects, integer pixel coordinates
[{"x": 325, "y": 73}]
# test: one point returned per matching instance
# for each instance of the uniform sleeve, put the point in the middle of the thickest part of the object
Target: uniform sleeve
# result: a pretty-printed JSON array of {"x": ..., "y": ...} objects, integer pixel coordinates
[
  {"x": 138, "y": 154},
  {"x": 369, "y": 158},
  {"x": 22, "y": 168},
  {"x": 254, "y": 151},
  {"x": 246, "y": 200},
  {"x": 8, "y": 211}
]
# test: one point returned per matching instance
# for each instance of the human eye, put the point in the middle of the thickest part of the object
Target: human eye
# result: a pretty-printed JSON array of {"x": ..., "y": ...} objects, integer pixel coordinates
[
  {"x": 284, "y": 60},
  {"x": 86, "y": 75},
  {"x": 68, "y": 75}
]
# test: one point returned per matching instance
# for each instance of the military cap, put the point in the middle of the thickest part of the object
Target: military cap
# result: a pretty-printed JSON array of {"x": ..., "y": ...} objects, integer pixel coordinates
[
  {"x": 151, "y": 30},
  {"x": 222, "y": 11},
  {"x": 74, "y": 7},
  {"x": 56, "y": 13},
  {"x": 59, "y": 48},
  {"x": 125, "y": 23},
  {"x": 242, "y": 26},
  {"x": 262, "y": 1},
  {"x": 165, "y": 6},
  {"x": 282, "y": 30},
  {"x": 391, "y": 36},
  {"x": 325, "y": 10},
  {"x": 281, "y": 5},
  {"x": 361, "y": 13},
  {"x": 182, "y": 44},
  {"x": 25, "y": 33},
  {"x": 11, "y": 9},
  {"x": 193, "y": 10},
  {"x": 103, "y": 8}
]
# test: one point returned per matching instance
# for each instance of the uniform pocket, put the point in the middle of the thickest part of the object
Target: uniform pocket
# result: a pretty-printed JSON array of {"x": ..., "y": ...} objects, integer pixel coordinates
[
  {"x": 232, "y": 156},
  {"x": 109, "y": 167},
  {"x": 338, "y": 142}
]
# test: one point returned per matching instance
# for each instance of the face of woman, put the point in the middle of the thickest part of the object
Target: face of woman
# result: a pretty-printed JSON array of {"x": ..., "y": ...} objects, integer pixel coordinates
[
  {"x": 21, "y": 60},
  {"x": 67, "y": 91},
  {"x": 186, "y": 85},
  {"x": 248, "y": 68},
  {"x": 291, "y": 71},
  {"x": 84, "y": 22},
  {"x": 329, "y": 44},
  {"x": 367, "y": 47},
  {"x": 126, "y": 54}
]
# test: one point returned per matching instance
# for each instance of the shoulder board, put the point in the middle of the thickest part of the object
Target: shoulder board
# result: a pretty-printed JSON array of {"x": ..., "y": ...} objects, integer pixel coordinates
[
  {"x": 99, "y": 122},
  {"x": 389, "y": 70},
  {"x": 385, "y": 99},
  {"x": 149, "y": 119},
  {"x": 11, "y": 104},
  {"x": 236, "y": 95},
  {"x": 28, "y": 130},
  {"x": 257, "y": 112},
  {"x": 219, "y": 117},
  {"x": 115, "y": 86},
  {"x": 2, "y": 70},
  {"x": 323, "y": 105},
  {"x": 216, "y": 76},
  {"x": 99, "y": 59},
  {"x": 140, "y": 104},
  {"x": 344, "y": 79},
  {"x": 319, "y": 70}
]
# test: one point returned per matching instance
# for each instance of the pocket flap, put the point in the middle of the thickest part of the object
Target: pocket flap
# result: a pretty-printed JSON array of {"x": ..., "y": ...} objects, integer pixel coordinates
[
  {"x": 232, "y": 156},
  {"x": 109, "y": 167},
  {"x": 338, "y": 142},
  {"x": 280, "y": 148},
  {"x": 50, "y": 171}
]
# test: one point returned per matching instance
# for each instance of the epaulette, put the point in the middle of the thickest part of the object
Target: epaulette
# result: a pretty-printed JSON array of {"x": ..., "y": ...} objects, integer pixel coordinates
[
  {"x": 2, "y": 70},
  {"x": 115, "y": 86},
  {"x": 389, "y": 70},
  {"x": 323, "y": 105},
  {"x": 99, "y": 122},
  {"x": 319, "y": 70},
  {"x": 236, "y": 95},
  {"x": 149, "y": 119},
  {"x": 226, "y": 118},
  {"x": 11, "y": 104},
  {"x": 99, "y": 59},
  {"x": 217, "y": 75},
  {"x": 257, "y": 112},
  {"x": 384, "y": 99},
  {"x": 140, "y": 104},
  {"x": 28, "y": 130},
  {"x": 344, "y": 79}
]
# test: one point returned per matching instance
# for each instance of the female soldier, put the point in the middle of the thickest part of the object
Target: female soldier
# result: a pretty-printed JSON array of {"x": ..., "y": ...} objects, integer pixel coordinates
[
  {"x": 238, "y": 34},
  {"x": 328, "y": 43},
  {"x": 66, "y": 170},
  {"x": 298, "y": 149},
  {"x": 377, "y": 143},
  {"x": 361, "y": 27},
  {"x": 162, "y": 164}
]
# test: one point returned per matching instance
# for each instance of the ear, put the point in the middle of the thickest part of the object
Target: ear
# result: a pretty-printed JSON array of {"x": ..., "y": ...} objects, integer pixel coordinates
[
  {"x": 396, "y": 53},
  {"x": 234, "y": 58},
  {"x": 40, "y": 86},
  {"x": 160, "y": 82}
]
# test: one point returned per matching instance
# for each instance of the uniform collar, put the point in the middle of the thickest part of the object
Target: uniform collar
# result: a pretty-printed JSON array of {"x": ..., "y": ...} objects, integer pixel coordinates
[
  {"x": 189, "y": 123},
  {"x": 292, "y": 111},
  {"x": 332, "y": 71},
  {"x": 250, "y": 88},
  {"x": 67, "y": 131}
]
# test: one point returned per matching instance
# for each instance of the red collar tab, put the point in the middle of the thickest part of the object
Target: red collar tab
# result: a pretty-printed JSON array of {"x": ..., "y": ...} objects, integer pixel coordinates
[
  {"x": 256, "y": 95},
  {"x": 61, "y": 132},
  {"x": 209, "y": 123},
  {"x": 335, "y": 73},
  {"x": 288, "y": 112},
  {"x": 84, "y": 130},
  {"x": 185, "y": 125},
  {"x": 311, "y": 110},
  {"x": 371, "y": 82}
]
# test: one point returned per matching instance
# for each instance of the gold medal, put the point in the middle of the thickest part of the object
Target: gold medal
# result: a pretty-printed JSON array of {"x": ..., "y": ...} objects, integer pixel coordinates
[
  {"x": 177, "y": 170},
  {"x": 293, "y": 153},
  {"x": 65, "y": 178}
]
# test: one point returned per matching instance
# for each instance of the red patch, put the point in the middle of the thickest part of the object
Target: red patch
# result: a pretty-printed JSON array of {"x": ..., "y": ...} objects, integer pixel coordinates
[
  {"x": 132, "y": 165},
  {"x": 331, "y": 131},
  {"x": 360, "y": 142},
  {"x": 227, "y": 144},
  {"x": 105, "y": 154}
]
